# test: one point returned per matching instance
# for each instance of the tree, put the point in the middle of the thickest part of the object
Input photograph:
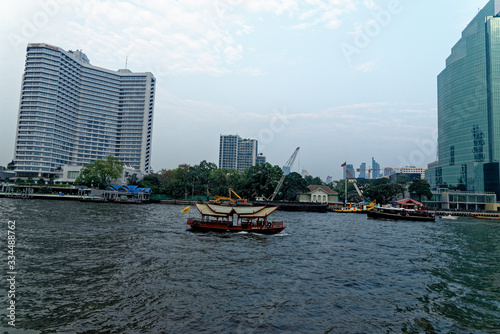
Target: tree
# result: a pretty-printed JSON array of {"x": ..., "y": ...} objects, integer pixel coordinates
[
  {"x": 292, "y": 185},
  {"x": 383, "y": 191},
  {"x": 316, "y": 181},
  {"x": 151, "y": 181},
  {"x": 100, "y": 173},
  {"x": 420, "y": 188},
  {"x": 403, "y": 179},
  {"x": 260, "y": 180},
  {"x": 41, "y": 181}
]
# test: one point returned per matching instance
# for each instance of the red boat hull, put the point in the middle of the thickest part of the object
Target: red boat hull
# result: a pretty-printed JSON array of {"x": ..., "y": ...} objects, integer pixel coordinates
[{"x": 214, "y": 226}]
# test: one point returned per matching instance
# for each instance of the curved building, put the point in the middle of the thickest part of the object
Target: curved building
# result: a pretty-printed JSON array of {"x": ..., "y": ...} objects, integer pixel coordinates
[
  {"x": 469, "y": 109},
  {"x": 72, "y": 113}
]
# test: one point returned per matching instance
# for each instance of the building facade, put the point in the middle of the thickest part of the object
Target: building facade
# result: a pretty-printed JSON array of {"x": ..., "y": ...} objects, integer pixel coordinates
[
  {"x": 237, "y": 153},
  {"x": 72, "y": 113},
  {"x": 469, "y": 109},
  {"x": 376, "y": 169},
  {"x": 362, "y": 171},
  {"x": 349, "y": 172}
]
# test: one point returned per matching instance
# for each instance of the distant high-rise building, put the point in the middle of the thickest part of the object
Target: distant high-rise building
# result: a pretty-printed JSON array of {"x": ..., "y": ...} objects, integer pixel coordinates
[
  {"x": 329, "y": 179},
  {"x": 261, "y": 159},
  {"x": 469, "y": 109},
  {"x": 237, "y": 153},
  {"x": 362, "y": 171},
  {"x": 376, "y": 169},
  {"x": 350, "y": 168},
  {"x": 72, "y": 113}
]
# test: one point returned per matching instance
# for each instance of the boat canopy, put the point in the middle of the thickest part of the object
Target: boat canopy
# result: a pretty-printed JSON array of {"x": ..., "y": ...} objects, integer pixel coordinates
[
  {"x": 263, "y": 213},
  {"x": 409, "y": 202},
  {"x": 242, "y": 212}
]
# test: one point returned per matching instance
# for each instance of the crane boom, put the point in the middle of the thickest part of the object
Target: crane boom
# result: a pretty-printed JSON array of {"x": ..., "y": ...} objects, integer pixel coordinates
[
  {"x": 289, "y": 164},
  {"x": 355, "y": 185}
]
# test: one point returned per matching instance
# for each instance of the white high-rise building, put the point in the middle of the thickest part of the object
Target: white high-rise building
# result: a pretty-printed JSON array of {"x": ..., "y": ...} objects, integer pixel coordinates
[
  {"x": 72, "y": 113},
  {"x": 237, "y": 153}
]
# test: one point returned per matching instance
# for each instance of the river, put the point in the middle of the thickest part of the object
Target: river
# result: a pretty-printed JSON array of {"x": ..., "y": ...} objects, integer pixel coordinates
[{"x": 114, "y": 268}]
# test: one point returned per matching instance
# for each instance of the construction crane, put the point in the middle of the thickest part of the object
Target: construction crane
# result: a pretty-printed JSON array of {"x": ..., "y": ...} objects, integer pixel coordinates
[
  {"x": 369, "y": 171},
  {"x": 355, "y": 186},
  {"x": 288, "y": 164}
]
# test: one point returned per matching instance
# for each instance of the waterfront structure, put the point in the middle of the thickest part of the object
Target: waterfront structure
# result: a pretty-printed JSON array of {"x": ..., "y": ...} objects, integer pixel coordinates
[
  {"x": 469, "y": 109},
  {"x": 237, "y": 153},
  {"x": 72, "y": 113},
  {"x": 445, "y": 199},
  {"x": 319, "y": 194}
]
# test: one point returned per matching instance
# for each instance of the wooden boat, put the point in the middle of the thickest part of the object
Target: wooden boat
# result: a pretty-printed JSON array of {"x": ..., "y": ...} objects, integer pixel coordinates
[
  {"x": 248, "y": 219},
  {"x": 401, "y": 214}
]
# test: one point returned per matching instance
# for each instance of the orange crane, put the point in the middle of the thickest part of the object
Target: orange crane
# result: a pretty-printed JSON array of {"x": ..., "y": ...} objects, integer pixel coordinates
[{"x": 369, "y": 171}]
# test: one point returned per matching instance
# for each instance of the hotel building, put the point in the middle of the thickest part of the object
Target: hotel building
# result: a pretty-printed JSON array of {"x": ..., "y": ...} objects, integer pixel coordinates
[
  {"x": 237, "y": 153},
  {"x": 72, "y": 113},
  {"x": 469, "y": 109}
]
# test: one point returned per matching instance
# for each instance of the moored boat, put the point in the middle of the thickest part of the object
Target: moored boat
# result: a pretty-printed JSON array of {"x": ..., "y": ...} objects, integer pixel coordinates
[
  {"x": 488, "y": 217},
  {"x": 401, "y": 214},
  {"x": 235, "y": 219}
]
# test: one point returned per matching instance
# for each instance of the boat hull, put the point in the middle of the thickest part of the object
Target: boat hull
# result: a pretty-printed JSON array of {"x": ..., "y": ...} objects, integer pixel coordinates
[
  {"x": 204, "y": 226},
  {"x": 295, "y": 206},
  {"x": 393, "y": 216}
]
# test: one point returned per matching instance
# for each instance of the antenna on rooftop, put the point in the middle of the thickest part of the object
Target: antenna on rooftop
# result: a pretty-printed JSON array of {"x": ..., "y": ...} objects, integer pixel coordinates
[{"x": 126, "y": 62}]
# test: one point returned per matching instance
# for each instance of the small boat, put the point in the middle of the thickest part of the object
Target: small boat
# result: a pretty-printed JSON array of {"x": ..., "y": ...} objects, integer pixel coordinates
[
  {"x": 360, "y": 208},
  {"x": 401, "y": 214},
  {"x": 248, "y": 219},
  {"x": 449, "y": 217},
  {"x": 487, "y": 217}
]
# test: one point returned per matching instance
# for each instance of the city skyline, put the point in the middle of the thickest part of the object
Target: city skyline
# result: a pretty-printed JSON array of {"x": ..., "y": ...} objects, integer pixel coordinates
[{"x": 341, "y": 81}]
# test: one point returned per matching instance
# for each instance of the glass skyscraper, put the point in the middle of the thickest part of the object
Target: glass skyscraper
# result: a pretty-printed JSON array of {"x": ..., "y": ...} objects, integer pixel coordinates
[
  {"x": 72, "y": 113},
  {"x": 469, "y": 109}
]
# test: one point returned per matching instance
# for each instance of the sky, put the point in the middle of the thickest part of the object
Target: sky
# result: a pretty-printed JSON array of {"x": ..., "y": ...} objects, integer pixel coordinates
[{"x": 344, "y": 80}]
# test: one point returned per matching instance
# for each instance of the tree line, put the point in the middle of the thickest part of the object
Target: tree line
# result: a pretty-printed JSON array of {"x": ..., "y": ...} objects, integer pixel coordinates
[{"x": 206, "y": 180}]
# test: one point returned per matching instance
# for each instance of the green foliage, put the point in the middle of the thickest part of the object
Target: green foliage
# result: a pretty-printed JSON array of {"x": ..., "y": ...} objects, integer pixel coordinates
[
  {"x": 41, "y": 181},
  {"x": 313, "y": 181},
  {"x": 100, "y": 173},
  {"x": 403, "y": 180},
  {"x": 420, "y": 188},
  {"x": 383, "y": 191},
  {"x": 293, "y": 185},
  {"x": 260, "y": 180},
  {"x": 45, "y": 190}
]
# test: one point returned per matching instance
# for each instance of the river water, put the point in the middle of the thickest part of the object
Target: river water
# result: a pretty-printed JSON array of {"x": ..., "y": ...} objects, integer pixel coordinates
[{"x": 111, "y": 268}]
